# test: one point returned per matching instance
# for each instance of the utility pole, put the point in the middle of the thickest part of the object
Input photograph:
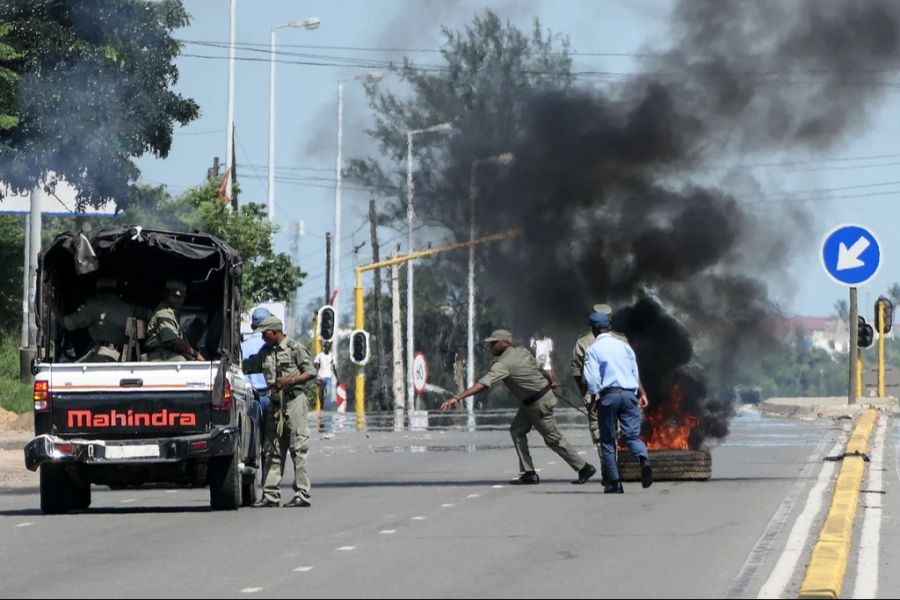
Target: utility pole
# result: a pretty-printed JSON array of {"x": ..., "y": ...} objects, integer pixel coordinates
[
  {"x": 379, "y": 320},
  {"x": 399, "y": 376},
  {"x": 213, "y": 171},
  {"x": 327, "y": 266}
]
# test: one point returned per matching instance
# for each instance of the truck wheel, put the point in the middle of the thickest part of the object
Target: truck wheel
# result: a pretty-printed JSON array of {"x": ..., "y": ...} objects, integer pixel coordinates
[
  {"x": 224, "y": 483},
  {"x": 251, "y": 490},
  {"x": 56, "y": 490},
  {"x": 81, "y": 496}
]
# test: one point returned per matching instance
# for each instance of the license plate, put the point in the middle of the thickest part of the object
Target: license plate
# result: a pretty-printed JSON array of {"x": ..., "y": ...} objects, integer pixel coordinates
[{"x": 133, "y": 451}]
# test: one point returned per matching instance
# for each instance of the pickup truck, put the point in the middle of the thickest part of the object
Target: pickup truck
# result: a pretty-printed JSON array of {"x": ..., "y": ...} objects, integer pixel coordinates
[{"x": 135, "y": 421}]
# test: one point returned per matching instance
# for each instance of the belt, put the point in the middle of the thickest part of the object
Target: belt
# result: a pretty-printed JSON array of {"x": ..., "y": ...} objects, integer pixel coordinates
[
  {"x": 612, "y": 390},
  {"x": 532, "y": 399}
]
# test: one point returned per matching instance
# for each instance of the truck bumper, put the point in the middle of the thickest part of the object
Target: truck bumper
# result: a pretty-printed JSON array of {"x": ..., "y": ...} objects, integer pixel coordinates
[{"x": 50, "y": 448}]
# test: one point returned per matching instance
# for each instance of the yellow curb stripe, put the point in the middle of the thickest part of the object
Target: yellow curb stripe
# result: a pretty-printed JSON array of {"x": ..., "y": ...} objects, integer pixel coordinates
[{"x": 825, "y": 574}]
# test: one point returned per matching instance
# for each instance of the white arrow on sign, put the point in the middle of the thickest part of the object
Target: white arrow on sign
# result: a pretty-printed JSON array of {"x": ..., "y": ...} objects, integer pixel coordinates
[{"x": 848, "y": 258}]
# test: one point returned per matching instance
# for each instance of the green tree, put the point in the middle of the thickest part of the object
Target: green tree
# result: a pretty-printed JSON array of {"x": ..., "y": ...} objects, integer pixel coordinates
[
  {"x": 9, "y": 81},
  {"x": 490, "y": 70},
  {"x": 893, "y": 294},
  {"x": 94, "y": 92}
]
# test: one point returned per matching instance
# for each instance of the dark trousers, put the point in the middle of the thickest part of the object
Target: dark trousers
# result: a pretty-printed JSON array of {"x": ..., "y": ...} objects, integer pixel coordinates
[{"x": 619, "y": 408}]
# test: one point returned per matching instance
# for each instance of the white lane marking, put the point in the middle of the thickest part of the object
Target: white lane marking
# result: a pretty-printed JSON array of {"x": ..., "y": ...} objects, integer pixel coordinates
[
  {"x": 251, "y": 590},
  {"x": 781, "y": 575},
  {"x": 448, "y": 505},
  {"x": 127, "y": 500},
  {"x": 497, "y": 487},
  {"x": 346, "y": 548},
  {"x": 551, "y": 462},
  {"x": 866, "y": 585},
  {"x": 582, "y": 452},
  {"x": 474, "y": 496},
  {"x": 387, "y": 531},
  {"x": 418, "y": 518},
  {"x": 28, "y": 524},
  {"x": 171, "y": 491},
  {"x": 302, "y": 569}
]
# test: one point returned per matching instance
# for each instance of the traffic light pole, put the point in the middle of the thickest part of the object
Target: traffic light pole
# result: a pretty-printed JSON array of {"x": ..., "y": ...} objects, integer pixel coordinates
[
  {"x": 359, "y": 320},
  {"x": 854, "y": 345}
]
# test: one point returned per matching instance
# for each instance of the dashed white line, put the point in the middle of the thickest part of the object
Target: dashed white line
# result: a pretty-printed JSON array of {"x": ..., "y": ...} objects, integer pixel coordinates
[
  {"x": 171, "y": 491},
  {"x": 302, "y": 569},
  {"x": 474, "y": 496},
  {"x": 387, "y": 531},
  {"x": 251, "y": 590},
  {"x": 448, "y": 505},
  {"x": 418, "y": 518},
  {"x": 496, "y": 487},
  {"x": 551, "y": 462},
  {"x": 127, "y": 500},
  {"x": 346, "y": 548},
  {"x": 28, "y": 524}
]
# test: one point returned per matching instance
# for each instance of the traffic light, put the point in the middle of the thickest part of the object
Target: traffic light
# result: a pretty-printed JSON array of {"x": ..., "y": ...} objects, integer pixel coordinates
[
  {"x": 888, "y": 313},
  {"x": 359, "y": 347},
  {"x": 865, "y": 334},
  {"x": 325, "y": 323}
]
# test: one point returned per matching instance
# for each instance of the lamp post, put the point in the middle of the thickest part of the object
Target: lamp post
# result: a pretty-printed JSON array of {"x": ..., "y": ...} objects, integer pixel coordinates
[
  {"x": 336, "y": 272},
  {"x": 410, "y": 216},
  {"x": 308, "y": 24},
  {"x": 504, "y": 159}
]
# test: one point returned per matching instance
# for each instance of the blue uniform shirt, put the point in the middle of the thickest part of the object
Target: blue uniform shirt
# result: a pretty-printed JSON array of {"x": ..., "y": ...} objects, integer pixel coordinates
[
  {"x": 249, "y": 347},
  {"x": 610, "y": 362}
]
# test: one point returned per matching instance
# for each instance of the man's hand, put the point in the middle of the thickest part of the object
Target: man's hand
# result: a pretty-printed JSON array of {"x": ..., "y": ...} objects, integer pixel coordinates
[
  {"x": 449, "y": 402},
  {"x": 642, "y": 399},
  {"x": 554, "y": 385},
  {"x": 284, "y": 381}
]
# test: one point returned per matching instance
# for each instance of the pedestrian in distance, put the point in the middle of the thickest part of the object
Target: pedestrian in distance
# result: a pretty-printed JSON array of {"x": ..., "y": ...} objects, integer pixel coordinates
[
  {"x": 516, "y": 367},
  {"x": 611, "y": 373},
  {"x": 287, "y": 366}
]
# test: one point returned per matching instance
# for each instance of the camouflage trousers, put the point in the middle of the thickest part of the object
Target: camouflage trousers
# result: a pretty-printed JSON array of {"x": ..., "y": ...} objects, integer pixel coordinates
[
  {"x": 539, "y": 415},
  {"x": 294, "y": 437}
]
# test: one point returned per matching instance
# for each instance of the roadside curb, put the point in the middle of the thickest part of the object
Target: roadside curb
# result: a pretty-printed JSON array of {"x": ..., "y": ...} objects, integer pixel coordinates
[{"x": 828, "y": 564}]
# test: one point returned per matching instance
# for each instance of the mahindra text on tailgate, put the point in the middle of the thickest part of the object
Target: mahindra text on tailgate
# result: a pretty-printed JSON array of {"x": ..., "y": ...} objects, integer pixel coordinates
[{"x": 130, "y": 400}]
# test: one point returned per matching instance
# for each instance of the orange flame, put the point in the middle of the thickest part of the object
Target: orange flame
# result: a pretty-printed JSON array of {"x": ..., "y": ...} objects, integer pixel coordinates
[{"x": 670, "y": 428}]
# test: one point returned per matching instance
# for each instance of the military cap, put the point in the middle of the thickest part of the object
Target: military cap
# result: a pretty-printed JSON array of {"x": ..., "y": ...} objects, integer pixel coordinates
[
  {"x": 107, "y": 283},
  {"x": 270, "y": 323},
  {"x": 603, "y": 308},
  {"x": 258, "y": 315},
  {"x": 177, "y": 287},
  {"x": 499, "y": 335}
]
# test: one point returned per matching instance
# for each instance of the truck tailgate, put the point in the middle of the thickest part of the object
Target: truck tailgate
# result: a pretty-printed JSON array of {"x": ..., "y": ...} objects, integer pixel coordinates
[{"x": 128, "y": 400}]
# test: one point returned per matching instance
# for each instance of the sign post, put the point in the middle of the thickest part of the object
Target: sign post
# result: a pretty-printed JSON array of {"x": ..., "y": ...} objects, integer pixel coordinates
[{"x": 851, "y": 256}]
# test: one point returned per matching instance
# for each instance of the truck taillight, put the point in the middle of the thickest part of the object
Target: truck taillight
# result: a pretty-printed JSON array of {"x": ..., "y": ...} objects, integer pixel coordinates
[
  {"x": 41, "y": 395},
  {"x": 225, "y": 402}
]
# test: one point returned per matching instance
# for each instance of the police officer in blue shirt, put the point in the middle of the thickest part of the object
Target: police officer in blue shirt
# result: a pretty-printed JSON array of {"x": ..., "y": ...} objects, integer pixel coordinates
[
  {"x": 251, "y": 346},
  {"x": 611, "y": 373}
]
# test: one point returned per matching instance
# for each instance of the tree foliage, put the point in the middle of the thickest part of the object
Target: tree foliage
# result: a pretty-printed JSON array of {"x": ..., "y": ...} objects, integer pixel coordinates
[
  {"x": 9, "y": 80},
  {"x": 490, "y": 70},
  {"x": 93, "y": 91}
]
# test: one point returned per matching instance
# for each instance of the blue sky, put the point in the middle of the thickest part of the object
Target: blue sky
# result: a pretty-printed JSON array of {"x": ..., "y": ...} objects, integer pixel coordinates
[{"x": 856, "y": 183}]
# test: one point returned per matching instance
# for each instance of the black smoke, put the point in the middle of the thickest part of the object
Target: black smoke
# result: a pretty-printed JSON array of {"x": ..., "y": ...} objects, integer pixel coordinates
[{"x": 615, "y": 199}]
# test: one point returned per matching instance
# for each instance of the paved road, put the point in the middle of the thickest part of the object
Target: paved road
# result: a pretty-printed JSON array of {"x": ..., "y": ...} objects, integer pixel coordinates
[{"x": 426, "y": 514}]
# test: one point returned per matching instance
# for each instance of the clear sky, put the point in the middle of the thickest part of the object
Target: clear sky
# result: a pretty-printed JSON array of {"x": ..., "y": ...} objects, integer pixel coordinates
[{"x": 854, "y": 184}]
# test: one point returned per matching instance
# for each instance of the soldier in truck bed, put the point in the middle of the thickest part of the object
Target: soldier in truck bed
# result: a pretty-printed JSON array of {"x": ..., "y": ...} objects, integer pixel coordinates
[
  {"x": 104, "y": 316},
  {"x": 165, "y": 339}
]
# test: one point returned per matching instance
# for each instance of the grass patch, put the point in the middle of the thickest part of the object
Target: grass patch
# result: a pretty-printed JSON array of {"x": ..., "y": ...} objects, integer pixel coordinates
[{"x": 14, "y": 395}]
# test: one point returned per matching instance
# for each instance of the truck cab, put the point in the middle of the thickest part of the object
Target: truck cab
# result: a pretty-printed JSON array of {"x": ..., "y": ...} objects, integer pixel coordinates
[{"x": 132, "y": 420}]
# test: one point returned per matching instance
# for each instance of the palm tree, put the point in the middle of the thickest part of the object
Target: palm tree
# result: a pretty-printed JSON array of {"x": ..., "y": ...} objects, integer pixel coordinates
[
  {"x": 894, "y": 293},
  {"x": 842, "y": 309}
]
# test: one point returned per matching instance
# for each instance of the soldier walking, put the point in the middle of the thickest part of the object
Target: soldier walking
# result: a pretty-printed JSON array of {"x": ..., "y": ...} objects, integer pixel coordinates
[
  {"x": 517, "y": 368},
  {"x": 287, "y": 366}
]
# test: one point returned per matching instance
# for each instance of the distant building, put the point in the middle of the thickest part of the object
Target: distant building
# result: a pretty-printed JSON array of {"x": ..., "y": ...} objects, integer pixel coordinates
[
  {"x": 62, "y": 201},
  {"x": 827, "y": 333}
]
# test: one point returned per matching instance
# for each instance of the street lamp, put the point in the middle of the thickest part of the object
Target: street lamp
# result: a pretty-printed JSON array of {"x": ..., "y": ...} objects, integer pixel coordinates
[
  {"x": 505, "y": 159},
  {"x": 308, "y": 24},
  {"x": 410, "y": 215},
  {"x": 336, "y": 272}
]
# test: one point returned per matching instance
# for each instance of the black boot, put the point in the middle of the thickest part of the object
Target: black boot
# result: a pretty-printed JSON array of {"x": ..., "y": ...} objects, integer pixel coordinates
[
  {"x": 526, "y": 478},
  {"x": 614, "y": 487},
  {"x": 646, "y": 473},
  {"x": 586, "y": 472}
]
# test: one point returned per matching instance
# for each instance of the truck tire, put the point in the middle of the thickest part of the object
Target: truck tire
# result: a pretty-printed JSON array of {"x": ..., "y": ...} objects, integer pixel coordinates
[
  {"x": 81, "y": 496},
  {"x": 56, "y": 490},
  {"x": 251, "y": 489},
  {"x": 224, "y": 483},
  {"x": 668, "y": 465}
]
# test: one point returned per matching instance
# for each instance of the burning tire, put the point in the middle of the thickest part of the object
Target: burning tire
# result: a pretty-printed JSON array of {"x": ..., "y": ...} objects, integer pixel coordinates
[{"x": 668, "y": 465}]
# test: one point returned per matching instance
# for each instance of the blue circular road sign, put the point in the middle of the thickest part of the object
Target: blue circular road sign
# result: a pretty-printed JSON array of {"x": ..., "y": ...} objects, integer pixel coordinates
[{"x": 851, "y": 254}]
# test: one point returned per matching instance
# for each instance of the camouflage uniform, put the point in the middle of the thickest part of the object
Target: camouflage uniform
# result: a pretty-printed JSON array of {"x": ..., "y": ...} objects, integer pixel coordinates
[
  {"x": 164, "y": 326},
  {"x": 518, "y": 370},
  {"x": 104, "y": 316},
  {"x": 287, "y": 423}
]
